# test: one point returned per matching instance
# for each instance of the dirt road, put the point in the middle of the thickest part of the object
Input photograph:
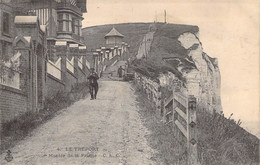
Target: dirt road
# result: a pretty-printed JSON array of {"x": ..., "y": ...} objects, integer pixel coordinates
[{"x": 103, "y": 131}]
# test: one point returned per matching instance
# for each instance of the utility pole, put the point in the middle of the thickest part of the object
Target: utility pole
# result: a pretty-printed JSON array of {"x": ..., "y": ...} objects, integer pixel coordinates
[
  {"x": 164, "y": 16},
  {"x": 145, "y": 46},
  {"x": 156, "y": 16}
]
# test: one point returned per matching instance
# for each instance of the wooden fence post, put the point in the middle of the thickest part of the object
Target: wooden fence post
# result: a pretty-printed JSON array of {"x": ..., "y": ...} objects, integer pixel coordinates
[
  {"x": 159, "y": 100},
  {"x": 174, "y": 115},
  {"x": 163, "y": 111},
  {"x": 192, "y": 137}
]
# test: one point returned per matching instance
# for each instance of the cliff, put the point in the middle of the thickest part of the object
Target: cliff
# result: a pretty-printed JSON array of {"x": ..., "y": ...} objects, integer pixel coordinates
[
  {"x": 206, "y": 73},
  {"x": 175, "y": 51}
]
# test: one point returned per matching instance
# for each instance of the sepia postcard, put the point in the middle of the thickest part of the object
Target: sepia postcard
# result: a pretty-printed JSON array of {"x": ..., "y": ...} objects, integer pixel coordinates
[{"x": 129, "y": 82}]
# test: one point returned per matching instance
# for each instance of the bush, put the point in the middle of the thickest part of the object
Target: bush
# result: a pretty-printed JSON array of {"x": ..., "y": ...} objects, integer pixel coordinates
[{"x": 223, "y": 141}]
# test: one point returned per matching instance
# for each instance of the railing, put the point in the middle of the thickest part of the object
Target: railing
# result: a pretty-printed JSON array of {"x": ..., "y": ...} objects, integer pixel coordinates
[
  {"x": 87, "y": 64},
  {"x": 110, "y": 55},
  {"x": 181, "y": 112},
  {"x": 69, "y": 6},
  {"x": 80, "y": 62},
  {"x": 114, "y": 62},
  {"x": 54, "y": 69},
  {"x": 70, "y": 64},
  {"x": 151, "y": 88},
  {"x": 178, "y": 110},
  {"x": 10, "y": 77}
]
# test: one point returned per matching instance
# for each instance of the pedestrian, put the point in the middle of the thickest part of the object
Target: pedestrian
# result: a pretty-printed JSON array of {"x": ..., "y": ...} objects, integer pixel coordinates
[
  {"x": 120, "y": 71},
  {"x": 93, "y": 84}
]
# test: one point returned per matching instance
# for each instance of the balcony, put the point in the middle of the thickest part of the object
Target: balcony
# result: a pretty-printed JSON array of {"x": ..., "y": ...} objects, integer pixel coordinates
[{"x": 68, "y": 6}]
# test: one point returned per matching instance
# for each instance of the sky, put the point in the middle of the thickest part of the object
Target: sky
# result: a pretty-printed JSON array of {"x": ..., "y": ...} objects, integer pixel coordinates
[{"x": 229, "y": 31}]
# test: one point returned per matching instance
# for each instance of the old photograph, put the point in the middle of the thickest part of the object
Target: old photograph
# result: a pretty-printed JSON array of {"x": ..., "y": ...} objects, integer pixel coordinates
[{"x": 129, "y": 82}]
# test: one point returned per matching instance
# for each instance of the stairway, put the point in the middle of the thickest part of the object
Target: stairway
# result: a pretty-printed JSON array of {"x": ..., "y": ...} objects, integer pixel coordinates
[{"x": 110, "y": 72}]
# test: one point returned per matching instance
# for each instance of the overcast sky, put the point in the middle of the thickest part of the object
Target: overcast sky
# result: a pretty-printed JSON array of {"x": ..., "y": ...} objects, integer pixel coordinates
[{"x": 229, "y": 31}]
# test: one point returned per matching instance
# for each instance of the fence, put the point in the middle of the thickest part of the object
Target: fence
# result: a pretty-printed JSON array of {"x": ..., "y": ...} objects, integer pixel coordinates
[
  {"x": 151, "y": 88},
  {"x": 178, "y": 110},
  {"x": 70, "y": 64},
  {"x": 80, "y": 62},
  {"x": 54, "y": 69}
]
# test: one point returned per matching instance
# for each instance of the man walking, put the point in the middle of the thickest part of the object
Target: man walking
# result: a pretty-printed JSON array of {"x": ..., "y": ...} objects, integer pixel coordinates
[
  {"x": 120, "y": 71},
  {"x": 93, "y": 84}
]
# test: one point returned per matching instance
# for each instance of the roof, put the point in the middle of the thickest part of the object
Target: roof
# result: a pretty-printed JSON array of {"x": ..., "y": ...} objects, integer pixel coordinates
[
  {"x": 114, "y": 33},
  {"x": 83, "y": 5},
  {"x": 25, "y": 19}
]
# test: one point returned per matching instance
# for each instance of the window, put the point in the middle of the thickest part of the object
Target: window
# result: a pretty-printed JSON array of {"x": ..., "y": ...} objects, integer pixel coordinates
[
  {"x": 6, "y": 22},
  {"x": 4, "y": 48},
  {"x": 67, "y": 26},
  {"x": 60, "y": 16},
  {"x": 5, "y": 55},
  {"x": 76, "y": 26},
  {"x": 73, "y": 25},
  {"x": 64, "y": 22},
  {"x": 67, "y": 22},
  {"x": 60, "y": 26}
]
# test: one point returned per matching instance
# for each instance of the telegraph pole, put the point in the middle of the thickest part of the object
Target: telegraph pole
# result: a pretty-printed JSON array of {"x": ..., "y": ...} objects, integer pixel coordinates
[
  {"x": 145, "y": 47},
  {"x": 164, "y": 16},
  {"x": 156, "y": 16}
]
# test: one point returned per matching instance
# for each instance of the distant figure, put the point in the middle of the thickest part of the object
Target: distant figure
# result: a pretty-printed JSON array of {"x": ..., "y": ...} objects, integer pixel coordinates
[
  {"x": 120, "y": 71},
  {"x": 93, "y": 84}
]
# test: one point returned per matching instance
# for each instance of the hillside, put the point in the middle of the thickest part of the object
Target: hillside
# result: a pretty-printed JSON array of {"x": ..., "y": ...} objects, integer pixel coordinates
[
  {"x": 164, "y": 45},
  {"x": 177, "y": 49},
  {"x": 165, "y": 37},
  {"x": 133, "y": 34}
]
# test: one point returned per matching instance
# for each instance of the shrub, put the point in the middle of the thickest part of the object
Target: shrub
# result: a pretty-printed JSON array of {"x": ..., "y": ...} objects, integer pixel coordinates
[{"x": 223, "y": 141}]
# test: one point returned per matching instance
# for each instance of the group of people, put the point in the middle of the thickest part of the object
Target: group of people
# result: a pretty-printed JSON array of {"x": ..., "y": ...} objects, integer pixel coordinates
[{"x": 93, "y": 83}]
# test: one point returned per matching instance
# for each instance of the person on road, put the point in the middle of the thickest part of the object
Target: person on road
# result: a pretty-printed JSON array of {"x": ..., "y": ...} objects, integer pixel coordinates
[
  {"x": 93, "y": 84},
  {"x": 120, "y": 71}
]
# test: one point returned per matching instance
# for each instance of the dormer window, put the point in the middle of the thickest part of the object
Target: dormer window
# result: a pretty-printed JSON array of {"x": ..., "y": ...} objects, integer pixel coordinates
[{"x": 6, "y": 23}]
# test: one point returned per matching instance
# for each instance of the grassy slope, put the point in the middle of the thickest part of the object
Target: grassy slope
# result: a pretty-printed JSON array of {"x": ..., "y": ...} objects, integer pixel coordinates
[
  {"x": 166, "y": 42},
  {"x": 221, "y": 140},
  {"x": 133, "y": 33},
  {"x": 166, "y": 45}
]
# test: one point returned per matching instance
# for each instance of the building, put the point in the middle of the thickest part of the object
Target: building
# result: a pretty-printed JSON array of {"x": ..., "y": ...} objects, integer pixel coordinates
[
  {"x": 42, "y": 52},
  {"x": 23, "y": 64},
  {"x": 62, "y": 18},
  {"x": 114, "y": 38}
]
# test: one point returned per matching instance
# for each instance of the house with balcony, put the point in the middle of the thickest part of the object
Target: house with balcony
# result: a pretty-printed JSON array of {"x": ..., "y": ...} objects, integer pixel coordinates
[
  {"x": 62, "y": 18},
  {"x": 42, "y": 52}
]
